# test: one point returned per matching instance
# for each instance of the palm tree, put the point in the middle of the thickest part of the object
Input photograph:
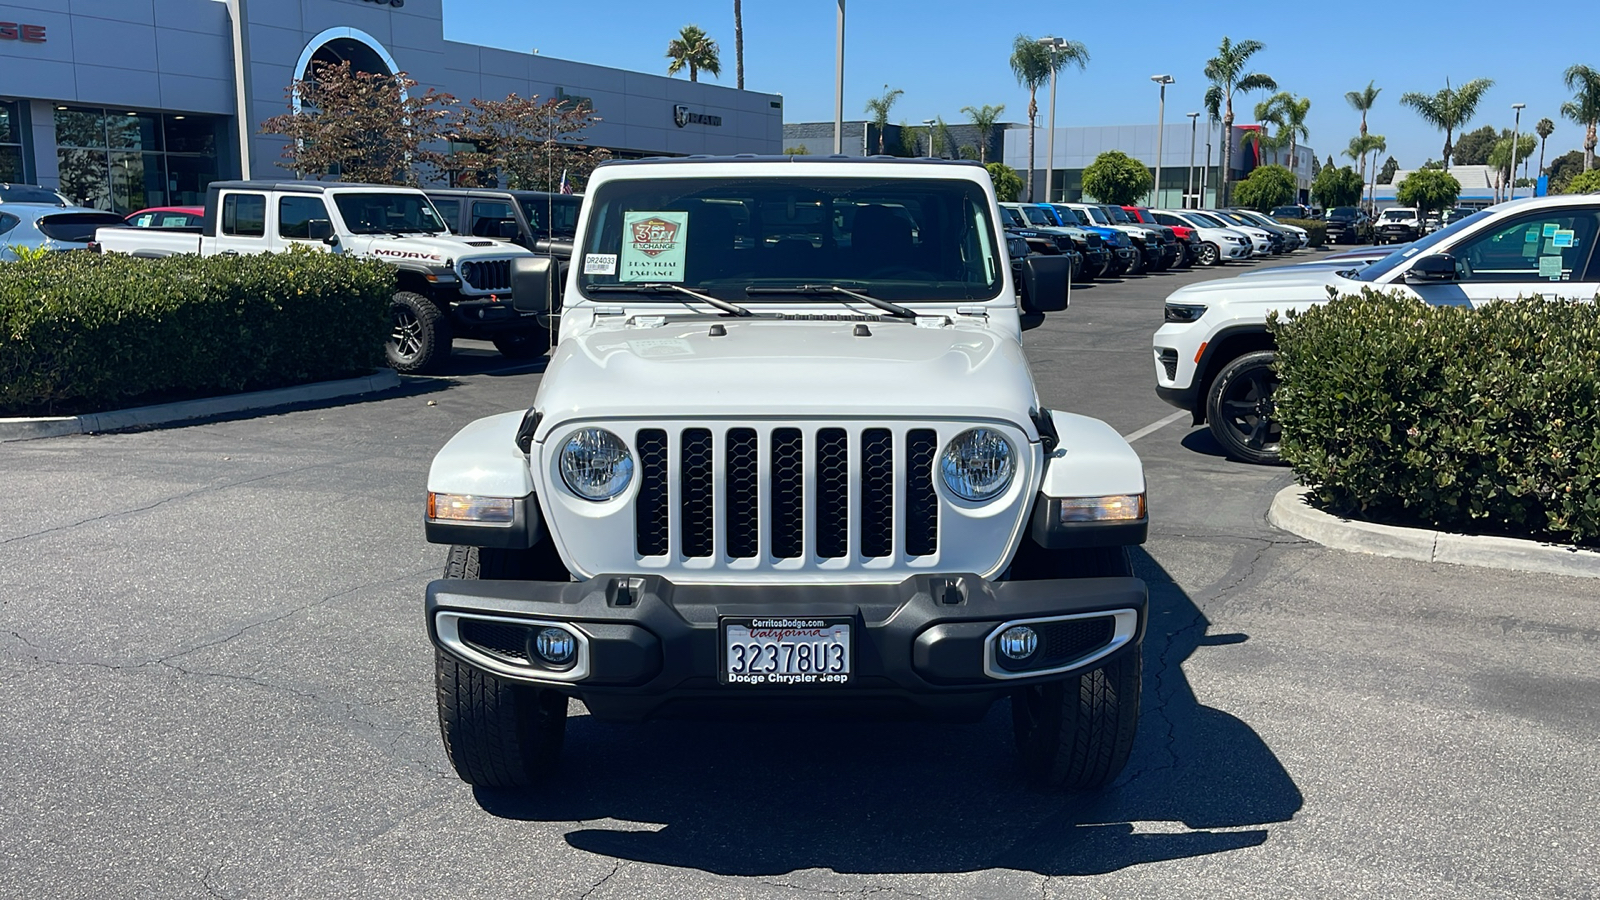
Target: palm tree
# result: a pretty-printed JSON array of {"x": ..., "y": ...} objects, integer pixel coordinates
[
  {"x": 983, "y": 118},
  {"x": 1289, "y": 114},
  {"x": 1033, "y": 63},
  {"x": 1449, "y": 109},
  {"x": 695, "y": 50},
  {"x": 1363, "y": 101},
  {"x": 879, "y": 108},
  {"x": 1227, "y": 75},
  {"x": 738, "y": 41},
  {"x": 1360, "y": 146},
  {"x": 1544, "y": 129},
  {"x": 1584, "y": 107}
]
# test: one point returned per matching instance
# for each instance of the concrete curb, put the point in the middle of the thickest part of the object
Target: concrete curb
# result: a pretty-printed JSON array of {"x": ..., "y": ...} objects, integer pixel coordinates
[
  {"x": 186, "y": 410},
  {"x": 1293, "y": 514}
]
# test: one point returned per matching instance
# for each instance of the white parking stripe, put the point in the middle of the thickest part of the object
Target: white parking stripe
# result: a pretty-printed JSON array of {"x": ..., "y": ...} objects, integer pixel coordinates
[{"x": 1154, "y": 426}]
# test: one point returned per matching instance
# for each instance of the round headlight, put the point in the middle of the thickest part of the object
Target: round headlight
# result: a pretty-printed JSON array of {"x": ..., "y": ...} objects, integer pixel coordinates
[
  {"x": 596, "y": 464},
  {"x": 978, "y": 464}
]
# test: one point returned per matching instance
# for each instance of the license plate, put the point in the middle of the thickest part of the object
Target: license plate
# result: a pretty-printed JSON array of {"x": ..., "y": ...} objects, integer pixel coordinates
[{"x": 785, "y": 651}]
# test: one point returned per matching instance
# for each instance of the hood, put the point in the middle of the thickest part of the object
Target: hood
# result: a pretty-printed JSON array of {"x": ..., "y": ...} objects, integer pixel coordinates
[
  {"x": 436, "y": 250},
  {"x": 1292, "y": 286},
  {"x": 787, "y": 369}
]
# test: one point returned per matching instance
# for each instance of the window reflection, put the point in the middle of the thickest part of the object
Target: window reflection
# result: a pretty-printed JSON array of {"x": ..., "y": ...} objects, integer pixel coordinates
[{"x": 127, "y": 161}]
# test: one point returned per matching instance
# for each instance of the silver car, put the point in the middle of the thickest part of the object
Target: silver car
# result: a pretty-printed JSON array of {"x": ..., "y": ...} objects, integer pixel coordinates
[{"x": 32, "y": 225}]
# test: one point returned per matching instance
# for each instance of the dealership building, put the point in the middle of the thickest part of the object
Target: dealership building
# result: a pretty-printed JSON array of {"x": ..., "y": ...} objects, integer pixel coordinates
[{"x": 124, "y": 104}]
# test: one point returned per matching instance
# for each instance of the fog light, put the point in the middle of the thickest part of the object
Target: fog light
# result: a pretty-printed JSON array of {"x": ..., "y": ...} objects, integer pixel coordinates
[
  {"x": 1018, "y": 642},
  {"x": 555, "y": 646}
]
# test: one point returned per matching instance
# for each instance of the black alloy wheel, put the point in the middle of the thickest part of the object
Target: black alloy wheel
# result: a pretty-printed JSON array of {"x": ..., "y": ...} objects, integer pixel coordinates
[{"x": 1240, "y": 409}]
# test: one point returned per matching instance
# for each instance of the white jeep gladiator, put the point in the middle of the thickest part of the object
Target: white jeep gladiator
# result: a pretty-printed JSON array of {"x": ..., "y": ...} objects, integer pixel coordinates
[
  {"x": 448, "y": 285},
  {"x": 788, "y": 459}
]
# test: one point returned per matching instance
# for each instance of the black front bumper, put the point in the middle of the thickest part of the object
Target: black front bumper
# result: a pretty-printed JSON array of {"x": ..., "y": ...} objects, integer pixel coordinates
[
  {"x": 486, "y": 316},
  {"x": 919, "y": 646}
]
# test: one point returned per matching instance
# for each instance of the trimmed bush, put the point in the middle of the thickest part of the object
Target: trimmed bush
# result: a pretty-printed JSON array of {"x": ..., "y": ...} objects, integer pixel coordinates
[
  {"x": 85, "y": 332},
  {"x": 1484, "y": 421},
  {"x": 1316, "y": 229}
]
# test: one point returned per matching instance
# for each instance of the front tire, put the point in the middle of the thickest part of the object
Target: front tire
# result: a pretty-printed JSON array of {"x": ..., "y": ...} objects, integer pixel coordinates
[
  {"x": 1239, "y": 409},
  {"x": 1209, "y": 254},
  {"x": 529, "y": 343},
  {"x": 419, "y": 336}
]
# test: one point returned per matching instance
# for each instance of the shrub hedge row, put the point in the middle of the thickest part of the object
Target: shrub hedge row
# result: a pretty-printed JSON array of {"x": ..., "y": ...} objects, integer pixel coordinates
[
  {"x": 1483, "y": 421},
  {"x": 85, "y": 332},
  {"x": 1315, "y": 228}
]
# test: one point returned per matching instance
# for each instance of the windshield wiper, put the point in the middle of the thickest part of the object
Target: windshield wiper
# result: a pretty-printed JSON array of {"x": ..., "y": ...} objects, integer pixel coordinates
[
  {"x": 658, "y": 287},
  {"x": 893, "y": 309}
]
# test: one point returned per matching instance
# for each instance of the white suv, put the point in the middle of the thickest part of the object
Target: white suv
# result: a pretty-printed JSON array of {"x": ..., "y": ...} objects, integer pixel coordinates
[
  {"x": 1219, "y": 242},
  {"x": 1213, "y": 357}
]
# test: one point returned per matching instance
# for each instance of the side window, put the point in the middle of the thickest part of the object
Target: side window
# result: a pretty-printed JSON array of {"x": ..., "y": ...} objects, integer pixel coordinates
[
  {"x": 1166, "y": 219},
  {"x": 8, "y": 222},
  {"x": 144, "y": 220},
  {"x": 1551, "y": 245},
  {"x": 487, "y": 216},
  {"x": 451, "y": 211},
  {"x": 295, "y": 215},
  {"x": 244, "y": 215}
]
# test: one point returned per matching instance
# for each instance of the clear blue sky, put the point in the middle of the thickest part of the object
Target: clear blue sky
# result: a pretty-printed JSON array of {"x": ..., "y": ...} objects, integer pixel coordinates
[{"x": 946, "y": 55}]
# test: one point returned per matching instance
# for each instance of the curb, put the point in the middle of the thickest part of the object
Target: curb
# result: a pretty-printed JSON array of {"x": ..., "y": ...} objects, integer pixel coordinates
[
  {"x": 1291, "y": 513},
  {"x": 186, "y": 410}
]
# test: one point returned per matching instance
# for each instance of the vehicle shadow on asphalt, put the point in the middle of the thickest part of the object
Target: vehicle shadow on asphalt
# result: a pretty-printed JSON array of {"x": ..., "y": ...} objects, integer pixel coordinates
[{"x": 763, "y": 798}]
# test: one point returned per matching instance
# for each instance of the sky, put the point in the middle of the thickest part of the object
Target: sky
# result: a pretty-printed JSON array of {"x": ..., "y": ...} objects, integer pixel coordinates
[{"x": 946, "y": 55}]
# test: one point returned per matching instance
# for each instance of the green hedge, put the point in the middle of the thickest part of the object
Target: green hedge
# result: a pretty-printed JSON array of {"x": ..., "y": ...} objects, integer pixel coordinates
[
  {"x": 1315, "y": 228},
  {"x": 1483, "y": 421},
  {"x": 88, "y": 333}
]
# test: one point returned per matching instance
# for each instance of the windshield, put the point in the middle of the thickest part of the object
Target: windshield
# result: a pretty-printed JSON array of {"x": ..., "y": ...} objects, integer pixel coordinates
[
  {"x": 1009, "y": 216},
  {"x": 1386, "y": 265},
  {"x": 1343, "y": 212},
  {"x": 23, "y": 193},
  {"x": 1116, "y": 214},
  {"x": 1092, "y": 214},
  {"x": 922, "y": 239},
  {"x": 554, "y": 214},
  {"x": 1399, "y": 215},
  {"x": 386, "y": 213},
  {"x": 1288, "y": 211},
  {"x": 1037, "y": 216},
  {"x": 1205, "y": 221}
]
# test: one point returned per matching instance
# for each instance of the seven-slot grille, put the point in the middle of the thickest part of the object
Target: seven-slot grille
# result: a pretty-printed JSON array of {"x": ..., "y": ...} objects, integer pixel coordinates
[
  {"x": 487, "y": 274},
  {"x": 785, "y": 493}
]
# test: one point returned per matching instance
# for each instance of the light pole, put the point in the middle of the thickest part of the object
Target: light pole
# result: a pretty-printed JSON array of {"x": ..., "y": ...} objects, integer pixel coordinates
[
  {"x": 1161, "y": 126},
  {"x": 1052, "y": 45},
  {"x": 1188, "y": 182},
  {"x": 838, "y": 87},
  {"x": 1200, "y": 201},
  {"x": 1512, "y": 163},
  {"x": 929, "y": 124}
]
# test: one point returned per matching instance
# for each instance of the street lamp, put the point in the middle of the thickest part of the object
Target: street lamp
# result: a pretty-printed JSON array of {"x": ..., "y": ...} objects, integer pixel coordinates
[
  {"x": 1512, "y": 163},
  {"x": 1161, "y": 125},
  {"x": 929, "y": 124},
  {"x": 1200, "y": 200},
  {"x": 838, "y": 88},
  {"x": 1188, "y": 181},
  {"x": 1053, "y": 46}
]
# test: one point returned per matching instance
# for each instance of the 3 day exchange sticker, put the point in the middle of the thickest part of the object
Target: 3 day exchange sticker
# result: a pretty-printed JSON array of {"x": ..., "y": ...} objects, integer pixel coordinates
[{"x": 653, "y": 246}]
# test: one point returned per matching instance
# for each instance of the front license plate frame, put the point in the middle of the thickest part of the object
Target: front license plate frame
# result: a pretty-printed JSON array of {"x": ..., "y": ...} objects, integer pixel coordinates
[{"x": 787, "y": 665}]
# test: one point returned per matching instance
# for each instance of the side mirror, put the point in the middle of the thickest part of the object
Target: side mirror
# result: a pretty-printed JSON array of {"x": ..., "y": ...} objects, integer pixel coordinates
[
  {"x": 319, "y": 230},
  {"x": 508, "y": 230},
  {"x": 1044, "y": 283},
  {"x": 1432, "y": 269},
  {"x": 533, "y": 284}
]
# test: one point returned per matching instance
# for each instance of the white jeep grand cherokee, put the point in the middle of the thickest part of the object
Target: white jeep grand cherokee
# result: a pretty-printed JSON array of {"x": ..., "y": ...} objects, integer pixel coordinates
[{"x": 787, "y": 458}]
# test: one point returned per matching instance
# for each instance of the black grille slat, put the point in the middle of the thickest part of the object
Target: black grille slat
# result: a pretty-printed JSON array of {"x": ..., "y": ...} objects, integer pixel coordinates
[
  {"x": 922, "y": 504},
  {"x": 1062, "y": 641},
  {"x": 696, "y": 506},
  {"x": 743, "y": 516},
  {"x": 487, "y": 275},
  {"x": 877, "y": 493},
  {"x": 788, "y": 493},
  {"x": 833, "y": 493},
  {"x": 650, "y": 513}
]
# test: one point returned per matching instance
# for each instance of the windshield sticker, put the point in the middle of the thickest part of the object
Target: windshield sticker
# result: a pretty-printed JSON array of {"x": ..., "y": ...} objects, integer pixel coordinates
[
  {"x": 1550, "y": 267},
  {"x": 1532, "y": 237},
  {"x": 1550, "y": 229},
  {"x": 653, "y": 246},
  {"x": 599, "y": 264},
  {"x": 656, "y": 348},
  {"x": 1564, "y": 237}
]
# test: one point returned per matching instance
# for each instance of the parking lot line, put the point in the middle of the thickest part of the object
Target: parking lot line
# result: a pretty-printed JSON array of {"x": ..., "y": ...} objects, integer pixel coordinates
[{"x": 1154, "y": 426}]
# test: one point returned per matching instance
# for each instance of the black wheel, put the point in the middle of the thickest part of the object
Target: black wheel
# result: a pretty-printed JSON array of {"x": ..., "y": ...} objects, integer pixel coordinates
[
  {"x": 1137, "y": 266},
  {"x": 499, "y": 733},
  {"x": 419, "y": 338},
  {"x": 1239, "y": 408},
  {"x": 1078, "y": 733},
  {"x": 527, "y": 344},
  {"x": 1209, "y": 255}
]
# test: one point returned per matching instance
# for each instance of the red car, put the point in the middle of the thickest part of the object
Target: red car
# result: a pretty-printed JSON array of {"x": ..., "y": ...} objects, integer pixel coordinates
[
  {"x": 1187, "y": 239},
  {"x": 168, "y": 217}
]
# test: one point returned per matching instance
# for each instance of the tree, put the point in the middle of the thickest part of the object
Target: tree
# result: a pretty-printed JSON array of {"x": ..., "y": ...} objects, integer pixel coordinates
[
  {"x": 1363, "y": 101},
  {"x": 1363, "y": 144},
  {"x": 1289, "y": 114},
  {"x": 524, "y": 144},
  {"x": 362, "y": 126},
  {"x": 1337, "y": 187},
  {"x": 1033, "y": 63},
  {"x": 878, "y": 108},
  {"x": 1007, "y": 184},
  {"x": 1226, "y": 71},
  {"x": 738, "y": 43},
  {"x": 1449, "y": 109},
  {"x": 1544, "y": 129},
  {"x": 797, "y": 150},
  {"x": 1563, "y": 169},
  {"x": 1390, "y": 166},
  {"x": 983, "y": 118},
  {"x": 1583, "y": 183},
  {"x": 1115, "y": 177},
  {"x": 1266, "y": 187},
  {"x": 1584, "y": 107},
  {"x": 1500, "y": 158},
  {"x": 1473, "y": 147},
  {"x": 1428, "y": 190},
  {"x": 695, "y": 50},
  {"x": 1316, "y": 166}
]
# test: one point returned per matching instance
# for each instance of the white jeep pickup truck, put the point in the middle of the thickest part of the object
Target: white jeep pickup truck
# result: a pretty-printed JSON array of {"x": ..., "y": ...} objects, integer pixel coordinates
[
  {"x": 449, "y": 286},
  {"x": 1214, "y": 355},
  {"x": 788, "y": 459}
]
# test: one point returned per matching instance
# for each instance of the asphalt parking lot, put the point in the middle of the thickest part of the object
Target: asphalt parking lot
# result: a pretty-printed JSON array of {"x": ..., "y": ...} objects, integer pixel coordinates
[{"x": 218, "y": 685}]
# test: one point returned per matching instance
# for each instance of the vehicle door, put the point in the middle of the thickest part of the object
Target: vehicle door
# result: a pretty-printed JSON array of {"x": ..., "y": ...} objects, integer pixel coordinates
[
  {"x": 494, "y": 219},
  {"x": 1547, "y": 252},
  {"x": 241, "y": 223},
  {"x": 296, "y": 215}
]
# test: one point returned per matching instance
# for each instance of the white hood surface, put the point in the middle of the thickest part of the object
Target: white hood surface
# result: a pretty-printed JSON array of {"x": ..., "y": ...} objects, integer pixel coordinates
[{"x": 436, "y": 250}]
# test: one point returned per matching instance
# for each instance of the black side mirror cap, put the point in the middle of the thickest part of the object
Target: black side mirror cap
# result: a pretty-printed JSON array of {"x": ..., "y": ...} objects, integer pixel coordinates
[
  {"x": 319, "y": 230},
  {"x": 1044, "y": 283},
  {"x": 533, "y": 284},
  {"x": 1432, "y": 269}
]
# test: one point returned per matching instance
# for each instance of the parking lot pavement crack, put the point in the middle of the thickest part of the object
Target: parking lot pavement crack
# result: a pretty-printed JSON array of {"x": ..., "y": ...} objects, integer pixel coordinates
[
  {"x": 205, "y": 882},
  {"x": 615, "y": 867},
  {"x": 867, "y": 891}
]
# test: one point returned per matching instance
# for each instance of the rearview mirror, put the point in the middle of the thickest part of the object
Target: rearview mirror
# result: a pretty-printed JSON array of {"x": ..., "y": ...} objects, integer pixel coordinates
[
  {"x": 533, "y": 284},
  {"x": 319, "y": 229},
  {"x": 1044, "y": 283},
  {"x": 1435, "y": 268}
]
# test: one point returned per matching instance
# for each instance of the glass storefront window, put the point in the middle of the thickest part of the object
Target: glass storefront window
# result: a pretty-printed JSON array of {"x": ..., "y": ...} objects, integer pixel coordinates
[
  {"x": 11, "y": 141},
  {"x": 127, "y": 161}
]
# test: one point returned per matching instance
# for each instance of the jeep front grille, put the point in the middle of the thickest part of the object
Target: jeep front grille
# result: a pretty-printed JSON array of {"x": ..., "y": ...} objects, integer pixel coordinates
[{"x": 487, "y": 274}]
